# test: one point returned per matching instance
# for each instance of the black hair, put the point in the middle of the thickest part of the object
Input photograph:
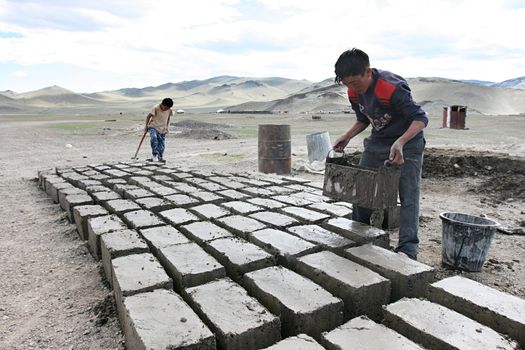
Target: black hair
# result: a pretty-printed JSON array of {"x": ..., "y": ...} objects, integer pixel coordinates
[
  {"x": 168, "y": 102},
  {"x": 351, "y": 62}
]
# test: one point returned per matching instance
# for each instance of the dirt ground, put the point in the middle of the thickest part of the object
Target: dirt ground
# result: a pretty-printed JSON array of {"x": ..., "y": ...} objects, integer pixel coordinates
[{"x": 53, "y": 295}]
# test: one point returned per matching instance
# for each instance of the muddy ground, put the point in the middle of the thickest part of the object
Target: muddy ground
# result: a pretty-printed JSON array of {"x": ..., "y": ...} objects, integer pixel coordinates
[{"x": 52, "y": 293}]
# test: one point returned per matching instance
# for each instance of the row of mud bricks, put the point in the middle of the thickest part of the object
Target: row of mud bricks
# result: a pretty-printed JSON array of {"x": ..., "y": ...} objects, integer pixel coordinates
[{"x": 202, "y": 260}]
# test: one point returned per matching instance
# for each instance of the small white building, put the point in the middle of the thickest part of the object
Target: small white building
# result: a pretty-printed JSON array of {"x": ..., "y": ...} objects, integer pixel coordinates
[{"x": 179, "y": 111}]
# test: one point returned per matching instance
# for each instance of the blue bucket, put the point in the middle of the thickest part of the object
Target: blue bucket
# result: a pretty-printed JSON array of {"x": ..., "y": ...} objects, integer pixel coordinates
[{"x": 466, "y": 240}]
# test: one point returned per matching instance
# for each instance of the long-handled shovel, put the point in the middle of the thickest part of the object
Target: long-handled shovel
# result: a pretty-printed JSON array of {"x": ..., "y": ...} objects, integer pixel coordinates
[{"x": 140, "y": 144}]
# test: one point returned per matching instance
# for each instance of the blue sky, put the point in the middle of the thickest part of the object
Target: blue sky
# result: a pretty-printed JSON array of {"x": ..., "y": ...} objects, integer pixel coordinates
[{"x": 88, "y": 46}]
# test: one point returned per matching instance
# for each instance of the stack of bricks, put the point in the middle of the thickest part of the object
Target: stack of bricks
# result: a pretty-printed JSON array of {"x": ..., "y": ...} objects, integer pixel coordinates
[{"x": 202, "y": 260}]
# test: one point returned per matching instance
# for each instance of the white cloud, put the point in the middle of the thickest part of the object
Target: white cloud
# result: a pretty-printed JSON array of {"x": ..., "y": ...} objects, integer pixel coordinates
[{"x": 156, "y": 42}]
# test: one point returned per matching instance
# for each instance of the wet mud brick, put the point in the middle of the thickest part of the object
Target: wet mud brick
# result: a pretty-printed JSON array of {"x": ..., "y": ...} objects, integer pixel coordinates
[
  {"x": 305, "y": 215},
  {"x": 302, "y": 305},
  {"x": 162, "y": 320},
  {"x": 238, "y": 320},
  {"x": 137, "y": 193},
  {"x": 500, "y": 311},
  {"x": 362, "y": 333},
  {"x": 240, "y": 207},
  {"x": 162, "y": 236},
  {"x": 155, "y": 204},
  {"x": 140, "y": 219},
  {"x": 137, "y": 273},
  {"x": 120, "y": 206},
  {"x": 99, "y": 225},
  {"x": 73, "y": 200},
  {"x": 52, "y": 188},
  {"x": 436, "y": 327},
  {"x": 299, "y": 342},
  {"x": 276, "y": 220},
  {"x": 182, "y": 200},
  {"x": 267, "y": 203},
  {"x": 204, "y": 231},
  {"x": 318, "y": 235},
  {"x": 119, "y": 243},
  {"x": 104, "y": 196},
  {"x": 358, "y": 232},
  {"x": 82, "y": 213},
  {"x": 362, "y": 290},
  {"x": 240, "y": 225},
  {"x": 409, "y": 278},
  {"x": 239, "y": 256},
  {"x": 178, "y": 216},
  {"x": 208, "y": 197},
  {"x": 332, "y": 209},
  {"x": 285, "y": 246},
  {"x": 189, "y": 265},
  {"x": 210, "y": 211},
  {"x": 64, "y": 192}
]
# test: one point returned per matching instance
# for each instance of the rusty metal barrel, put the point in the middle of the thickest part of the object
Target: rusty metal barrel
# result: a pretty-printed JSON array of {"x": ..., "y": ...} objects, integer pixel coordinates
[{"x": 275, "y": 149}]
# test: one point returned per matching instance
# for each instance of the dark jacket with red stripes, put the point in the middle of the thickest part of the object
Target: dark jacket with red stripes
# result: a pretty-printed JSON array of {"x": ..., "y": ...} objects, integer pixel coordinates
[{"x": 388, "y": 106}]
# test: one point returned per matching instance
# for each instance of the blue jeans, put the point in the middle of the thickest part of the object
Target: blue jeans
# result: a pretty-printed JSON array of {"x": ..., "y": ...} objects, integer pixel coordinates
[
  {"x": 374, "y": 156},
  {"x": 158, "y": 143}
]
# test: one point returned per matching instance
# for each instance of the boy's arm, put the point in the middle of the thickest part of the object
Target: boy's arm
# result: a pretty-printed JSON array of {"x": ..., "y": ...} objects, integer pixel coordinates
[
  {"x": 168, "y": 124},
  {"x": 148, "y": 118}
]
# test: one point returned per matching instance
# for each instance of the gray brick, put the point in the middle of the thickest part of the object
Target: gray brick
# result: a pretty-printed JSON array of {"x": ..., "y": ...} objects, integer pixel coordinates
[
  {"x": 241, "y": 207},
  {"x": 178, "y": 216},
  {"x": 288, "y": 199},
  {"x": 305, "y": 215},
  {"x": 274, "y": 219},
  {"x": 302, "y": 305},
  {"x": 210, "y": 211},
  {"x": 82, "y": 213},
  {"x": 176, "y": 325},
  {"x": 140, "y": 219},
  {"x": 155, "y": 204},
  {"x": 189, "y": 265},
  {"x": 239, "y": 256},
  {"x": 258, "y": 192},
  {"x": 74, "y": 200},
  {"x": 103, "y": 197},
  {"x": 362, "y": 333},
  {"x": 241, "y": 225},
  {"x": 500, "y": 311},
  {"x": 318, "y": 235},
  {"x": 238, "y": 320},
  {"x": 408, "y": 277},
  {"x": 436, "y": 327},
  {"x": 162, "y": 236},
  {"x": 64, "y": 192},
  {"x": 99, "y": 225},
  {"x": 137, "y": 193},
  {"x": 298, "y": 342},
  {"x": 362, "y": 290},
  {"x": 53, "y": 188},
  {"x": 208, "y": 197},
  {"x": 121, "y": 206},
  {"x": 83, "y": 184},
  {"x": 266, "y": 203},
  {"x": 204, "y": 231},
  {"x": 97, "y": 188},
  {"x": 358, "y": 232},
  {"x": 119, "y": 243},
  {"x": 332, "y": 209},
  {"x": 232, "y": 194},
  {"x": 182, "y": 200},
  {"x": 137, "y": 273},
  {"x": 284, "y": 245}
]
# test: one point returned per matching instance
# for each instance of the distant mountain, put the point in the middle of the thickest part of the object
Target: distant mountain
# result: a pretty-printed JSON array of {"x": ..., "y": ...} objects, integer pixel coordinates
[
  {"x": 53, "y": 96},
  {"x": 478, "y": 82},
  {"x": 274, "y": 94},
  {"x": 431, "y": 93},
  {"x": 516, "y": 83}
]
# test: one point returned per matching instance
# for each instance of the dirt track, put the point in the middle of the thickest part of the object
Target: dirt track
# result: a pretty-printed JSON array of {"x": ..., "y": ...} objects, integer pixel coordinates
[{"x": 53, "y": 295}]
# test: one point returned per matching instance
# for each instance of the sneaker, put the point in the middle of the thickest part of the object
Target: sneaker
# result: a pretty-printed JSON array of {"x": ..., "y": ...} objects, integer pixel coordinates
[
  {"x": 162, "y": 160},
  {"x": 155, "y": 158}
]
